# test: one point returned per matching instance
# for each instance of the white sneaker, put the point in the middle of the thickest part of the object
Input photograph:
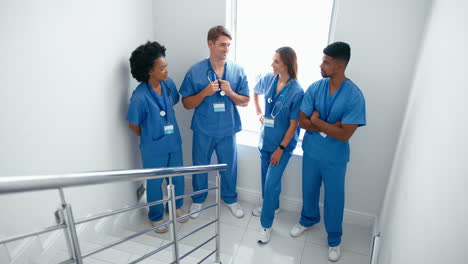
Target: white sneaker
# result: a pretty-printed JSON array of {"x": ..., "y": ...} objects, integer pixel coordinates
[
  {"x": 236, "y": 209},
  {"x": 257, "y": 211},
  {"x": 195, "y": 207},
  {"x": 297, "y": 230},
  {"x": 334, "y": 253},
  {"x": 264, "y": 236}
]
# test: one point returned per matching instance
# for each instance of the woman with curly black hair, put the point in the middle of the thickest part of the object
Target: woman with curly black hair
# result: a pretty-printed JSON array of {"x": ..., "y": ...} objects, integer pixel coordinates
[{"x": 151, "y": 116}]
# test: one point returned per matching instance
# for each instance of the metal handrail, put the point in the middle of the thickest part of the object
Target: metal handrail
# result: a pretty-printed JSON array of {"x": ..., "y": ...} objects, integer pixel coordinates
[
  {"x": 67, "y": 222},
  {"x": 30, "y": 234},
  {"x": 13, "y": 184}
]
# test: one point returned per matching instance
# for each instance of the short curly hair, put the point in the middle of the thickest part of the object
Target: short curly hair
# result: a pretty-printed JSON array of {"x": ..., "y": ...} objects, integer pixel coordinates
[{"x": 142, "y": 59}]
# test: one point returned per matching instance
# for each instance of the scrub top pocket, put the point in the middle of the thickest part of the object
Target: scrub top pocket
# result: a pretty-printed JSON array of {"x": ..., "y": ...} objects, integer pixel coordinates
[{"x": 157, "y": 125}]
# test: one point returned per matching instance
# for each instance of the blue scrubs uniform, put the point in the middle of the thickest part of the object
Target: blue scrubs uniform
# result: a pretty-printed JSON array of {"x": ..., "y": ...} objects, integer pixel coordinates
[
  {"x": 158, "y": 145},
  {"x": 325, "y": 158},
  {"x": 290, "y": 98},
  {"x": 215, "y": 123}
]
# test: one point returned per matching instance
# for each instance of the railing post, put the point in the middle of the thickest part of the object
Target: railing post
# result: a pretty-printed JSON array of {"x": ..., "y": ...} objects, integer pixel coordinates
[
  {"x": 218, "y": 213},
  {"x": 172, "y": 218},
  {"x": 70, "y": 234}
]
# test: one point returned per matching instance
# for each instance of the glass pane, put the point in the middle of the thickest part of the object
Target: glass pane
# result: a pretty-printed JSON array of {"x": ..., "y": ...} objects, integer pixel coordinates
[{"x": 266, "y": 25}]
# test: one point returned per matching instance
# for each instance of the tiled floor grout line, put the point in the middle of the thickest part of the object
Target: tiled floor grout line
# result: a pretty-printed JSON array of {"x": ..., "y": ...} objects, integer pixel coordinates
[
  {"x": 242, "y": 237},
  {"x": 303, "y": 249}
]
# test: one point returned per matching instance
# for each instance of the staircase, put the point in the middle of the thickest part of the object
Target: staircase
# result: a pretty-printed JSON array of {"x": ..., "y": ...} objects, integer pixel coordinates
[
  {"x": 116, "y": 236},
  {"x": 92, "y": 235}
]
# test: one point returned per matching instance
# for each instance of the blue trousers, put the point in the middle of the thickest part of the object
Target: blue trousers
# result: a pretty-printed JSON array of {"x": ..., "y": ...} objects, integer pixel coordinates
[
  {"x": 225, "y": 147},
  {"x": 271, "y": 185},
  {"x": 153, "y": 186},
  {"x": 333, "y": 177}
]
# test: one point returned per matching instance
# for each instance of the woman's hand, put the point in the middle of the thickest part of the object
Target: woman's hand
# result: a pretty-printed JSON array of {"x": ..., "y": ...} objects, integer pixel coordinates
[
  {"x": 276, "y": 157},
  {"x": 261, "y": 117}
]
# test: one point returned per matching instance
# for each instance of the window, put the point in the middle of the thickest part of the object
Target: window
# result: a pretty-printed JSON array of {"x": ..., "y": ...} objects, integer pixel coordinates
[{"x": 260, "y": 27}]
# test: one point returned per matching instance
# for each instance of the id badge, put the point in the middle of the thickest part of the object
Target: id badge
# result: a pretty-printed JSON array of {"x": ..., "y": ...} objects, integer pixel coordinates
[
  {"x": 323, "y": 134},
  {"x": 169, "y": 129},
  {"x": 219, "y": 107},
  {"x": 269, "y": 122}
]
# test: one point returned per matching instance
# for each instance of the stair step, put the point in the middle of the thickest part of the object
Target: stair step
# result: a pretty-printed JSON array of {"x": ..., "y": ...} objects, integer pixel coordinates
[
  {"x": 148, "y": 260},
  {"x": 143, "y": 239},
  {"x": 128, "y": 246},
  {"x": 109, "y": 255}
]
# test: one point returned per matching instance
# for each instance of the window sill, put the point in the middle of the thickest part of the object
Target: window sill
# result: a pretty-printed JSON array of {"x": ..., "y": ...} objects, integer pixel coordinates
[{"x": 250, "y": 139}]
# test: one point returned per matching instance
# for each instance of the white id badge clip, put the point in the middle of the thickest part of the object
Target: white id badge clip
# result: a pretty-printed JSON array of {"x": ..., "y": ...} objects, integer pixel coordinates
[
  {"x": 323, "y": 134},
  {"x": 269, "y": 122},
  {"x": 219, "y": 107},
  {"x": 169, "y": 129}
]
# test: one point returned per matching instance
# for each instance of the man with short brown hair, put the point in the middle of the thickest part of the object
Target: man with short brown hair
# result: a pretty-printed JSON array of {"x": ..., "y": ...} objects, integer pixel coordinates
[{"x": 214, "y": 87}]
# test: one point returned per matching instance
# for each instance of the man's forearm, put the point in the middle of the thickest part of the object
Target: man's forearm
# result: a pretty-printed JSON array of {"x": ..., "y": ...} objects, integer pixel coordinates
[
  {"x": 307, "y": 125},
  {"x": 339, "y": 132},
  {"x": 240, "y": 100},
  {"x": 193, "y": 101}
]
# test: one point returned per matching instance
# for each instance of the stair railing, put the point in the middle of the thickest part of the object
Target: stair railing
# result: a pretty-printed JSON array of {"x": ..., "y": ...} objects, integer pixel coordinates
[{"x": 67, "y": 222}]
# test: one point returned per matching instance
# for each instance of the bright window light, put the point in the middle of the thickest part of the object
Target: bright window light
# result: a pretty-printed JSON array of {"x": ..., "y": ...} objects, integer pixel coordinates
[{"x": 262, "y": 26}]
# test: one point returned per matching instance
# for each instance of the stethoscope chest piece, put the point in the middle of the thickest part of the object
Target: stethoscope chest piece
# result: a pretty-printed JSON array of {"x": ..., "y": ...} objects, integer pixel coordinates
[{"x": 269, "y": 100}]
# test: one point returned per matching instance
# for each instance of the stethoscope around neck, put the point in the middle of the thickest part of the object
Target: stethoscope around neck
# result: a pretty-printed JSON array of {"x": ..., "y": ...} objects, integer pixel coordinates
[
  {"x": 278, "y": 106},
  {"x": 210, "y": 72},
  {"x": 162, "y": 111}
]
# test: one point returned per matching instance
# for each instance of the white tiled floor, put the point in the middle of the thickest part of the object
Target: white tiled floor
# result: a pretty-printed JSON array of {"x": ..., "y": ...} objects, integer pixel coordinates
[{"x": 239, "y": 241}]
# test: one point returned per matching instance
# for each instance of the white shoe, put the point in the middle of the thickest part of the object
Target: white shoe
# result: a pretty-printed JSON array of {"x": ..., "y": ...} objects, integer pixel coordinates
[
  {"x": 334, "y": 253},
  {"x": 257, "y": 211},
  {"x": 195, "y": 207},
  {"x": 264, "y": 236},
  {"x": 236, "y": 209},
  {"x": 297, "y": 230}
]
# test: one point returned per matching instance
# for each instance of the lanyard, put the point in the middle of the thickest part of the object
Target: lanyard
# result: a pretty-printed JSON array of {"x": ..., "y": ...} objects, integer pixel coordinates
[
  {"x": 163, "y": 107},
  {"x": 325, "y": 100},
  {"x": 210, "y": 69}
]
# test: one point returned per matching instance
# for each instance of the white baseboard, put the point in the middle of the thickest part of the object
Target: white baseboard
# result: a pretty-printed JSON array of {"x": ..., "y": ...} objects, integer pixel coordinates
[{"x": 295, "y": 205}]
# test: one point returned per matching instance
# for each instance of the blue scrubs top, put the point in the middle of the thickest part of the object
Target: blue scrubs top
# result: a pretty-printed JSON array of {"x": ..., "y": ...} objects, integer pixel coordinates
[
  {"x": 271, "y": 137},
  {"x": 205, "y": 119},
  {"x": 144, "y": 111},
  {"x": 347, "y": 106}
]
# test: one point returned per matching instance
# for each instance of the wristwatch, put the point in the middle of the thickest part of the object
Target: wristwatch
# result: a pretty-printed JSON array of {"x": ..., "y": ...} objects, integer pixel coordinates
[{"x": 282, "y": 147}]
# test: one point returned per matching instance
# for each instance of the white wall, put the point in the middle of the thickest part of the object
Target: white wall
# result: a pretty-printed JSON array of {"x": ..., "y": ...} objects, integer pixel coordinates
[
  {"x": 424, "y": 216},
  {"x": 384, "y": 37},
  {"x": 65, "y": 86}
]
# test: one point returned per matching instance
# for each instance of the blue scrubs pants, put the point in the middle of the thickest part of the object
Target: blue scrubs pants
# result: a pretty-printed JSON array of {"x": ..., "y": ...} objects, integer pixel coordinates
[
  {"x": 203, "y": 147},
  {"x": 333, "y": 177},
  {"x": 153, "y": 186},
  {"x": 271, "y": 186}
]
